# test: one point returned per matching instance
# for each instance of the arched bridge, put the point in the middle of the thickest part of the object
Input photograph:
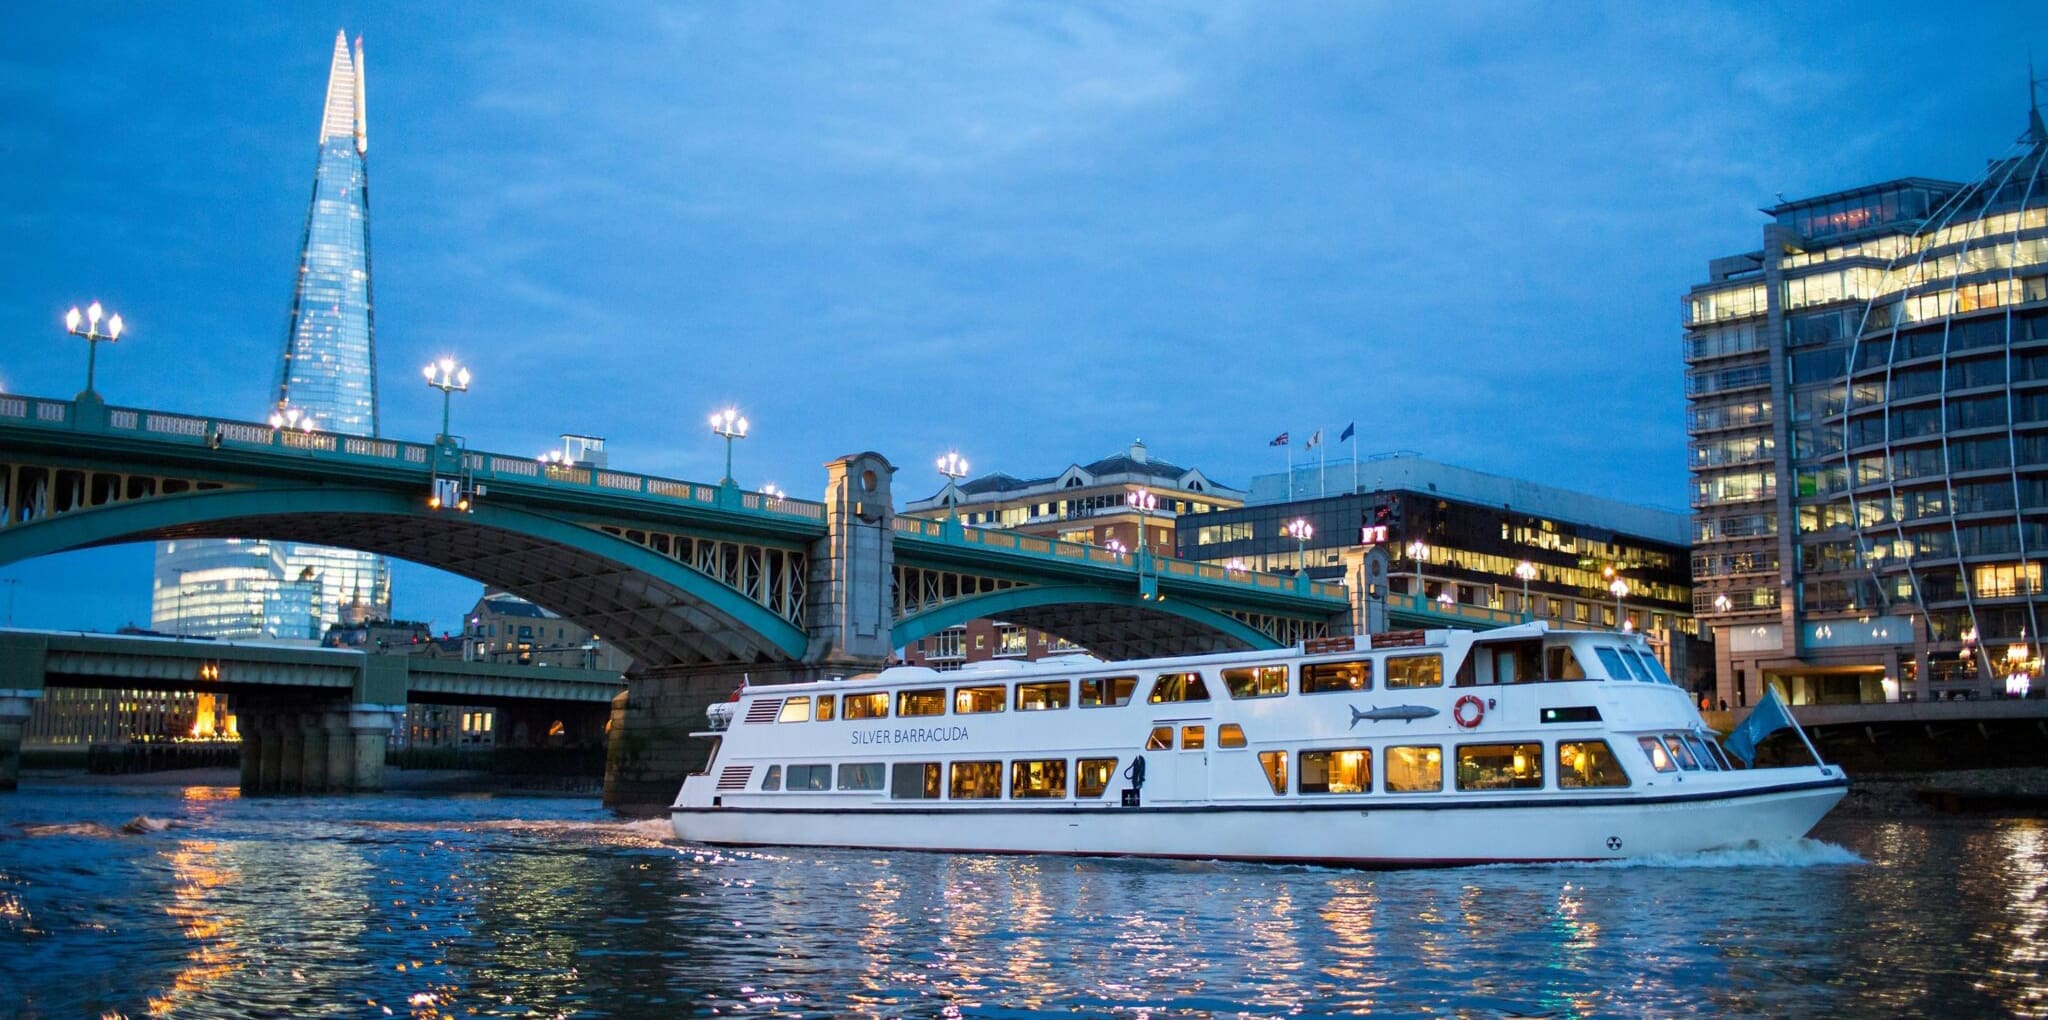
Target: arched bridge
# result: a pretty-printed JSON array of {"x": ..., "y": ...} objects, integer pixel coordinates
[{"x": 676, "y": 573}]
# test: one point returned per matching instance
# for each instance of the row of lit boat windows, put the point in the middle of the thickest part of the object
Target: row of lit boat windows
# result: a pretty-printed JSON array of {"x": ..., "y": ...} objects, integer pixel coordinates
[{"x": 1406, "y": 768}]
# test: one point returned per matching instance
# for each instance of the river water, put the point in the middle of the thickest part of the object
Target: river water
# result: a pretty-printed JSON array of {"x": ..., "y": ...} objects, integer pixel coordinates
[{"x": 220, "y": 906}]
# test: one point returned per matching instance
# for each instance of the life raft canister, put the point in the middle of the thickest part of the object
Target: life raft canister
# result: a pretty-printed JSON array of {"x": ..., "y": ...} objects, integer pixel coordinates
[{"x": 1462, "y": 718}]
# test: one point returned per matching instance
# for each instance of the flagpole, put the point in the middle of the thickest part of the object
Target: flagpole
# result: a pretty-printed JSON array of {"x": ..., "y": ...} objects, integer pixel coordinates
[
  {"x": 1322, "y": 466},
  {"x": 1354, "y": 459},
  {"x": 1290, "y": 468}
]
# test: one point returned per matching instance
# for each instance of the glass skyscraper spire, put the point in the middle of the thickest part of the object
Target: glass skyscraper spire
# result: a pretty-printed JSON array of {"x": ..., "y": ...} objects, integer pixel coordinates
[{"x": 328, "y": 374}]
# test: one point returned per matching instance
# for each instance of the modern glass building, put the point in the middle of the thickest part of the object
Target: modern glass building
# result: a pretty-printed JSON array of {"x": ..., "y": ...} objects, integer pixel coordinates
[
  {"x": 1868, "y": 413},
  {"x": 328, "y": 374}
]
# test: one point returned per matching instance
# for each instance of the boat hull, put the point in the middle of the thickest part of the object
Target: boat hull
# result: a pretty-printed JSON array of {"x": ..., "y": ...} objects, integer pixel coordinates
[{"x": 1382, "y": 832}]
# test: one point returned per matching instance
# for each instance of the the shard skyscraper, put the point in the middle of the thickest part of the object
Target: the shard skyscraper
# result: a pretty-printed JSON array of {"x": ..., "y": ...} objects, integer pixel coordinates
[{"x": 254, "y": 588}]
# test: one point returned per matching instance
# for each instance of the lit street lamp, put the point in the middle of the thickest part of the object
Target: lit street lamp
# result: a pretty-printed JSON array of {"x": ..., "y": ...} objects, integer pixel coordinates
[
  {"x": 773, "y": 494},
  {"x": 291, "y": 418},
  {"x": 553, "y": 461},
  {"x": 448, "y": 377},
  {"x": 1620, "y": 588},
  {"x": 1301, "y": 531},
  {"x": 1141, "y": 500},
  {"x": 1722, "y": 603},
  {"x": 953, "y": 467},
  {"x": 1417, "y": 550},
  {"x": 1526, "y": 571},
  {"x": 1115, "y": 547},
  {"x": 729, "y": 424},
  {"x": 92, "y": 335}
]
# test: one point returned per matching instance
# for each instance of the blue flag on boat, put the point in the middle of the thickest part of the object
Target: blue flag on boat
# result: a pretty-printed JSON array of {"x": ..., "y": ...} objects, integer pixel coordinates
[{"x": 1770, "y": 716}]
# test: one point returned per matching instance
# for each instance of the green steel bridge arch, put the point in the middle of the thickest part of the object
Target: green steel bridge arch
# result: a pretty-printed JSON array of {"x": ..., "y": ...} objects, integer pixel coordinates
[
  {"x": 1114, "y": 622},
  {"x": 620, "y": 589}
]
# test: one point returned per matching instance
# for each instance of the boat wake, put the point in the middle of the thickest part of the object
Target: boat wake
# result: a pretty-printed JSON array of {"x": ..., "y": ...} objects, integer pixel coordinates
[
  {"x": 137, "y": 826},
  {"x": 1795, "y": 853}
]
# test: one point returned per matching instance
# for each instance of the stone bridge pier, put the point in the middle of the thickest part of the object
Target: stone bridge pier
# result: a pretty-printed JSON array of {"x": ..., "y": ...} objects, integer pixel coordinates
[
  {"x": 311, "y": 744},
  {"x": 848, "y": 615}
]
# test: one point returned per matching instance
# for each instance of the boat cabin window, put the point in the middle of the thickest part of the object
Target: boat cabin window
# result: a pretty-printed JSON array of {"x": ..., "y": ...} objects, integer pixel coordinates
[
  {"x": 1653, "y": 749},
  {"x": 1415, "y": 671},
  {"x": 1500, "y": 766},
  {"x": 1588, "y": 763},
  {"x": 865, "y": 706},
  {"x": 1714, "y": 750},
  {"x": 1680, "y": 752},
  {"x": 1418, "y": 769},
  {"x": 1699, "y": 753},
  {"x": 1256, "y": 681},
  {"x": 1503, "y": 662},
  {"x": 975, "y": 780},
  {"x": 824, "y": 708},
  {"x": 1320, "y": 677},
  {"x": 772, "y": 779},
  {"x": 1039, "y": 697},
  {"x": 1107, "y": 691},
  {"x": 1172, "y": 687},
  {"x": 1345, "y": 770},
  {"x": 1046, "y": 777},
  {"x": 1230, "y": 734},
  {"x": 795, "y": 710},
  {"x": 1611, "y": 659},
  {"x": 1160, "y": 739},
  {"x": 1274, "y": 763},
  {"x": 1193, "y": 738},
  {"x": 969, "y": 700},
  {"x": 914, "y": 780},
  {"x": 864, "y": 775},
  {"x": 1560, "y": 664},
  {"x": 1092, "y": 775},
  {"x": 927, "y": 701},
  {"x": 1656, "y": 669},
  {"x": 810, "y": 777}
]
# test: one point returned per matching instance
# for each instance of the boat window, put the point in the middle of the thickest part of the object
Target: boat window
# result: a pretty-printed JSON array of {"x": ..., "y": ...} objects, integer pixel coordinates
[
  {"x": 1500, "y": 766},
  {"x": 969, "y": 700},
  {"x": 1108, "y": 691},
  {"x": 928, "y": 701},
  {"x": 1656, "y": 669},
  {"x": 772, "y": 779},
  {"x": 1161, "y": 739},
  {"x": 1044, "y": 777},
  {"x": 1193, "y": 738},
  {"x": 1514, "y": 662},
  {"x": 1699, "y": 753},
  {"x": 1256, "y": 681},
  {"x": 1343, "y": 770},
  {"x": 914, "y": 780},
  {"x": 1415, "y": 671},
  {"x": 865, "y": 706},
  {"x": 864, "y": 775},
  {"x": 1171, "y": 687},
  {"x": 1680, "y": 752},
  {"x": 1714, "y": 749},
  {"x": 824, "y": 708},
  {"x": 1230, "y": 734},
  {"x": 1045, "y": 695},
  {"x": 1418, "y": 769},
  {"x": 795, "y": 710},
  {"x": 809, "y": 777},
  {"x": 1091, "y": 776},
  {"x": 1319, "y": 677},
  {"x": 1561, "y": 664},
  {"x": 1612, "y": 660},
  {"x": 1588, "y": 763},
  {"x": 1660, "y": 759},
  {"x": 975, "y": 780},
  {"x": 1275, "y": 765}
]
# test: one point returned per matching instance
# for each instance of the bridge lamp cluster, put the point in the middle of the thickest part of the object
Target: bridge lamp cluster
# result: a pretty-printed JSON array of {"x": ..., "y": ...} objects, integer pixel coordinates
[
  {"x": 449, "y": 494},
  {"x": 554, "y": 460},
  {"x": 448, "y": 377},
  {"x": 773, "y": 494},
  {"x": 731, "y": 425},
  {"x": 86, "y": 325},
  {"x": 1301, "y": 531},
  {"x": 291, "y": 418}
]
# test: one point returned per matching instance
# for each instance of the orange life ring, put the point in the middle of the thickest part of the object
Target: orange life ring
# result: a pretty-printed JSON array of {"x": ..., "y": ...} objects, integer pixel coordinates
[{"x": 1458, "y": 712}]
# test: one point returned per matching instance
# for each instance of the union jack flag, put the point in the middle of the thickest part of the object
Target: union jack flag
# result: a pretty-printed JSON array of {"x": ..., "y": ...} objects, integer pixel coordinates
[{"x": 1279, "y": 440}]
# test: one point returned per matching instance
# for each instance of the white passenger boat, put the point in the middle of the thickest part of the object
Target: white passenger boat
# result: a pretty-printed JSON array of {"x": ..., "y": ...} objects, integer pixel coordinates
[{"x": 1409, "y": 748}]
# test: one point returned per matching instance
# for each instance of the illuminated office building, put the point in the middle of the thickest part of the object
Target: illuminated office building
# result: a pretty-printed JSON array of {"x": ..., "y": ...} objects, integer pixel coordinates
[
  {"x": 328, "y": 374},
  {"x": 1868, "y": 413}
]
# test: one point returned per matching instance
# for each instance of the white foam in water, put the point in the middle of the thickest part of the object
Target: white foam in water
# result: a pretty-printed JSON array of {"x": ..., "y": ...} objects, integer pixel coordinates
[
  {"x": 660, "y": 830},
  {"x": 1795, "y": 853}
]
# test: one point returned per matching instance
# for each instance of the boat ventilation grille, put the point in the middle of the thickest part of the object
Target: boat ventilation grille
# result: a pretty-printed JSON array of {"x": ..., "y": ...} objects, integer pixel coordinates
[
  {"x": 734, "y": 777},
  {"x": 764, "y": 709}
]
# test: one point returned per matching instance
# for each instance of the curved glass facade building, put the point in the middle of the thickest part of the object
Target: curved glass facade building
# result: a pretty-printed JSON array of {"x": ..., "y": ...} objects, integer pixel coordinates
[
  {"x": 1868, "y": 413},
  {"x": 328, "y": 373}
]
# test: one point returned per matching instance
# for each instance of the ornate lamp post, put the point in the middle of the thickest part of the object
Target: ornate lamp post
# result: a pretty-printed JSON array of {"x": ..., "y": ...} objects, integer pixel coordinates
[
  {"x": 1115, "y": 547},
  {"x": 1417, "y": 550},
  {"x": 953, "y": 467},
  {"x": 1620, "y": 588},
  {"x": 448, "y": 377},
  {"x": 771, "y": 494},
  {"x": 92, "y": 336},
  {"x": 729, "y": 424},
  {"x": 1301, "y": 531},
  {"x": 1143, "y": 501},
  {"x": 1527, "y": 572},
  {"x": 291, "y": 418}
]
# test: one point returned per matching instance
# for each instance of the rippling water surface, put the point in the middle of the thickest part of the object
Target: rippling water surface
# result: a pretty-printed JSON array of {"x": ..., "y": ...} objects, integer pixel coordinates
[{"x": 209, "y": 905}]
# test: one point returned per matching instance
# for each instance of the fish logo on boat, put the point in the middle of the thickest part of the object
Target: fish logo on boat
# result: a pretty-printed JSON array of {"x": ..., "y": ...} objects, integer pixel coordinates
[{"x": 1405, "y": 713}]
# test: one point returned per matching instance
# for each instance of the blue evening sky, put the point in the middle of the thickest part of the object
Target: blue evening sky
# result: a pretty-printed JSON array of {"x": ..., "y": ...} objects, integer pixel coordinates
[{"x": 1032, "y": 231}]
